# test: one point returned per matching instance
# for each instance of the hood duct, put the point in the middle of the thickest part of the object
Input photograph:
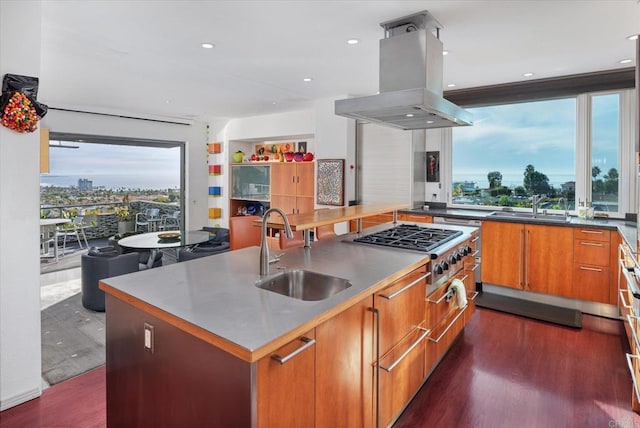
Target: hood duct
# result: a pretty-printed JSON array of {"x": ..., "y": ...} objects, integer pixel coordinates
[{"x": 411, "y": 95}]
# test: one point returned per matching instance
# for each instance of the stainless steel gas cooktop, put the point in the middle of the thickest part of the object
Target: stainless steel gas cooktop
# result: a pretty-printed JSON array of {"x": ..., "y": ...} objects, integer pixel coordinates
[{"x": 410, "y": 237}]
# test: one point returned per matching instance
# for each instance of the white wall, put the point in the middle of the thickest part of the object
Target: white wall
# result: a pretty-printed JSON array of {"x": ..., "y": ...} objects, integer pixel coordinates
[{"x": 20, "y": 353}]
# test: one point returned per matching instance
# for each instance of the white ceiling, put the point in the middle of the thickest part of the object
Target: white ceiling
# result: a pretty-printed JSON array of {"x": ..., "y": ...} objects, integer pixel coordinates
[{"x": 144, "y": 57}]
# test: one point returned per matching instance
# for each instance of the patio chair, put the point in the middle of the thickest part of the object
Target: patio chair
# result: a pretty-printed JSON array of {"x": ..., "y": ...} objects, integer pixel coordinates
[
  {"x": 76, "y": 229},
  {"x": 101, "y": 263},
  {"x": 148, "y": 218},
  {"x": 218, "y": 243},
  {"x": 170, "y": 221}
]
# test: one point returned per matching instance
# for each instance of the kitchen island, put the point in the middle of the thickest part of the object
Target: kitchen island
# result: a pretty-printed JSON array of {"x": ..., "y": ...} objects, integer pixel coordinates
[{"x": 197, "y": 343}]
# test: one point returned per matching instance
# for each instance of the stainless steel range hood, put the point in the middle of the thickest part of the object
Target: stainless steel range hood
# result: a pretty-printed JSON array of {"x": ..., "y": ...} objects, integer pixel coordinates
[{"x": 410, "y": 80}]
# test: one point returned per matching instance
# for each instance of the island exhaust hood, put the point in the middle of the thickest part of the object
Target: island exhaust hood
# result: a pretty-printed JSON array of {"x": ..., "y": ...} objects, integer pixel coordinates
[{"x": 411, "y": 95}]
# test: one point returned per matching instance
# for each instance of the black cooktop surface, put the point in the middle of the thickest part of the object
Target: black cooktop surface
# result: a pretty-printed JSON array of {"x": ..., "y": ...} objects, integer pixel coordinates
[{"x": 410, "y": 237}]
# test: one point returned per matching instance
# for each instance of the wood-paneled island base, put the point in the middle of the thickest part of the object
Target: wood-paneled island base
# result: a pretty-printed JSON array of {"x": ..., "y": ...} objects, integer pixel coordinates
[{"x": 198, "y": 344}]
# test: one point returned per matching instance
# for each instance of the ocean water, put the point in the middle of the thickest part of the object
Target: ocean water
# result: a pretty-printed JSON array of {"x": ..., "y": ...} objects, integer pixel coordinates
[{"x": 113, "y": 181}]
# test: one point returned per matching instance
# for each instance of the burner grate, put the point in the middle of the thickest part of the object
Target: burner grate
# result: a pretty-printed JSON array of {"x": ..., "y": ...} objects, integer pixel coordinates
[{"x": 410, "y": 237}]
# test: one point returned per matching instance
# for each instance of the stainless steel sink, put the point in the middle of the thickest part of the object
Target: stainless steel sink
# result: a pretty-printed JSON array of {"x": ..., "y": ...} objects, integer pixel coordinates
[
  {"x": 303, "y": 284},
  {"x": 545, "y": 218}
]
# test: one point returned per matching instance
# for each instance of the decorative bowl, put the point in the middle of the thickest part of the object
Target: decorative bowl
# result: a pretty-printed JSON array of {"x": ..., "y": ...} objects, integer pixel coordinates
[
  {"x": 297, "y": 156},
  {"x": 288, "y": 156}
]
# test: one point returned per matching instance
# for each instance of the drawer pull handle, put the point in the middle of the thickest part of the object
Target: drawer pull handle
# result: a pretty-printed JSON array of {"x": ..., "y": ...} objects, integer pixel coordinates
[
  {"x": 403, "y": 289},
  {"x": 633, "y": 374},
  {"x": 590, "y": 268},
  {"x": 593, "y": 232},
  {"x": 591, "y": 244},
  {"x": 623, "y": 300},
  {"x": 405, "y": 353},
  {"x": 633, "y": 330},
  {"x": 449, "y": 326},
  {"x": 446, "y": 295},
  {"x": 631, "y": 281},
  {"x": 475, "y": 239},
  {"x": 308, "y": 343},
  {"x": 475, "y": 294}
]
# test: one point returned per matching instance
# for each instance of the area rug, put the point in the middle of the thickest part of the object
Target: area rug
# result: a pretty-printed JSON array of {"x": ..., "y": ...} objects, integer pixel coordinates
[{"x": 73, "y": 340}]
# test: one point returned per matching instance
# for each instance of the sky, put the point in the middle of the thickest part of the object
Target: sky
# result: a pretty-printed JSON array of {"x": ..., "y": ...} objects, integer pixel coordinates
[
  {"x": 114, "y": 166},
  {"x": 507, "y": 138}
]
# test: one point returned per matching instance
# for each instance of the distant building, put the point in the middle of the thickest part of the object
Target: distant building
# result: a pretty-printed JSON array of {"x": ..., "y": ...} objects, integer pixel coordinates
[
  {"x": 467, "y": 186},
  {"x": 84, "y": 184},
  {"x": 569, "y": 186}
]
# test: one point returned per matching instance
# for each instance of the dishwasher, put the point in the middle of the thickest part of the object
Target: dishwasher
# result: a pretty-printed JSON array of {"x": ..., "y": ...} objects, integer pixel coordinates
[{"x": 471, "y": 223}]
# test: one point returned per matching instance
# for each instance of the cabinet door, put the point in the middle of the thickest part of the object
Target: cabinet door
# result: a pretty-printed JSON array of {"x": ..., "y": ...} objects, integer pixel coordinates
[
  {"x": 502, "y": 255},
  {"x": 304, "y": 204},
  {"x": 305, "y": 183},
  {"x": 286, "y": 388},
  {"x": 283, "y": 179},
  {"x": 344, "y": 357},
  {"x": 288, "y": 204},
  {"x": 549, "y": 259}
]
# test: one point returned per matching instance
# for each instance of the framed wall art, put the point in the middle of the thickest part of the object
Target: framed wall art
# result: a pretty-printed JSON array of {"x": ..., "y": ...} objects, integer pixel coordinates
[
  {"x": 330, "y": 182},
  {"x": 433, "y": 167}
]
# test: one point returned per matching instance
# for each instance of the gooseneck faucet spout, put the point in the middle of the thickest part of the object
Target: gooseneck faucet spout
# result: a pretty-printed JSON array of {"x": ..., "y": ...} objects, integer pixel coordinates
[
  {"x": 264, "y": 249},
  {"x": 535, "y": 201}
]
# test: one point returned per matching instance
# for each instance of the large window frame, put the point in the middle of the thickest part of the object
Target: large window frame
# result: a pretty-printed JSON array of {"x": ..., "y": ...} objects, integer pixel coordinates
[{"x": 626, "y": 158}]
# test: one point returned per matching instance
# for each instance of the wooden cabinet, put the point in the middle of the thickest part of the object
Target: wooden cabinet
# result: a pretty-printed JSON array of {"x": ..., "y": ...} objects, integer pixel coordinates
[
  {"x": 401, "y": 342},
  {"x": 292, "y": 186},
  {"x": 417, "y": 218},
  {"x": 592, "y": 264},
  {"x": 286, "y": 385},
  {"x": 44, "y": 150},
  {"x": 502, "y": 255},
  {"x": 371, "y": 221},
  {"x": 344, "y": 357},
  {"x": 548, "y": 259},
  {"x": 528, "y": 257}
]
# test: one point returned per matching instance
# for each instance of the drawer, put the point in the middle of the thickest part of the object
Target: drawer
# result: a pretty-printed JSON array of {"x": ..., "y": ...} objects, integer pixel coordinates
[
  {"x": 591, "y": 252},
  {"x": 591, "y": 283},
  {"x": 439, "y": 305},
  {"x": 401, "y": 373},
  {"x": 591, "y": 234},
  {"x": 416, "y": 218},
  {"x": 401, "y": 307}
]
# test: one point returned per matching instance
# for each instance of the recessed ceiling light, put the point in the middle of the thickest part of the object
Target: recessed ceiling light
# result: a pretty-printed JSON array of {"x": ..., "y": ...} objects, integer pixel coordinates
[
  {"x": 307, "y": 79},
  {"x": 445, "y": 52},
  {"x": 429, "y": 122},
  {"x": 208, "y": 45},
  {"x": 409, "y": 114},
  {"x": 353, "y": 41},
  {"x": 274, "y": 103},
  {"x": 632, "y": 37},
  {"x": 451, "y": 85},
  {"x": 527, "y": 74},
  {"x": 167, "y": 101},
  {"x": 625, "y": 61}
]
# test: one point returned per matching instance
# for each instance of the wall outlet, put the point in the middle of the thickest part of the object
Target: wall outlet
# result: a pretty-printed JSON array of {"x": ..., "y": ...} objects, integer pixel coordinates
[{"x": 148, "y": 338}]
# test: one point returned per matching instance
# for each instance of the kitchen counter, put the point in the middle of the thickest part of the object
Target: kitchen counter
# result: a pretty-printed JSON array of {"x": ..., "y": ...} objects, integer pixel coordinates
[
  {"x": 215, "y": 298},
  {"x": 628, "y": 230}
]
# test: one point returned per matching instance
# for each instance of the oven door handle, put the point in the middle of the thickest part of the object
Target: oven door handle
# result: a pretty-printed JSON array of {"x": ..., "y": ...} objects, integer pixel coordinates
[{"x": 403, "y": 289}]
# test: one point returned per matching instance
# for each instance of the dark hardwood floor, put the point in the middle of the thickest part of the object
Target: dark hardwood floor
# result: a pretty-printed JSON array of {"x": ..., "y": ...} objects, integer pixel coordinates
[{"x": 504, "y": 371}]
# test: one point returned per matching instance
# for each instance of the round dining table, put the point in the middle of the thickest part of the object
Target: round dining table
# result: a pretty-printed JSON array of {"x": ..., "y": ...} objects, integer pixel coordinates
[{"x": 156, "y": 241}]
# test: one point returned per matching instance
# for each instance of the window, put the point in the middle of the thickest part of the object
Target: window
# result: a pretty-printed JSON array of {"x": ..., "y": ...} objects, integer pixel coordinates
[
  {"x": 605, "y": 152},
  {"x": 514, "y": 151},
  {"x": 560, "y": 148}
]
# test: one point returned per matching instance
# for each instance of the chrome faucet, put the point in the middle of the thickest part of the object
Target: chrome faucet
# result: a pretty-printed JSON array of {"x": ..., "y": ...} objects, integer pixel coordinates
[
  {"x": 565, "y": 206},
  {"x": 535, "y": 201},
  {"x": 264, "y": 249}
]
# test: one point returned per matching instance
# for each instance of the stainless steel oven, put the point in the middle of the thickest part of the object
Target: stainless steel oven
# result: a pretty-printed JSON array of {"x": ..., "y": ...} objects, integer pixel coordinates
[{"x": 478, "y": 242}]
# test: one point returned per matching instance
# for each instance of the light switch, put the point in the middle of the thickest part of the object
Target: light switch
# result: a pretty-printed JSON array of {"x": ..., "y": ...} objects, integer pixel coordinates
[{"x": 148, "y": 337}]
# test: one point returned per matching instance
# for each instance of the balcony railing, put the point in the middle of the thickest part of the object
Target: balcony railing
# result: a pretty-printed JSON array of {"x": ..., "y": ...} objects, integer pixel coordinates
[{"x": 100, "y": 220}]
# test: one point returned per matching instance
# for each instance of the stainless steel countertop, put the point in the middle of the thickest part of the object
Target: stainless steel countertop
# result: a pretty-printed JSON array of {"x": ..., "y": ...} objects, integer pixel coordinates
[{"x": 218, "y": 293}]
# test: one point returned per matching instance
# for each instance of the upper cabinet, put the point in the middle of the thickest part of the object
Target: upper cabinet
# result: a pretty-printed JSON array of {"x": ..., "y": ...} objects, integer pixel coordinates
[{"x": 292, "y": 186}]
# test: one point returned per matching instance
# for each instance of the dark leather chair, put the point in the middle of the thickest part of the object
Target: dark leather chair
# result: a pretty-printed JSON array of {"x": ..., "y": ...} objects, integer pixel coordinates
[
  {"x": 143, "y": 255},
  {"x": 101, "y": 263},
  {"x": 218, "y": 243}
]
